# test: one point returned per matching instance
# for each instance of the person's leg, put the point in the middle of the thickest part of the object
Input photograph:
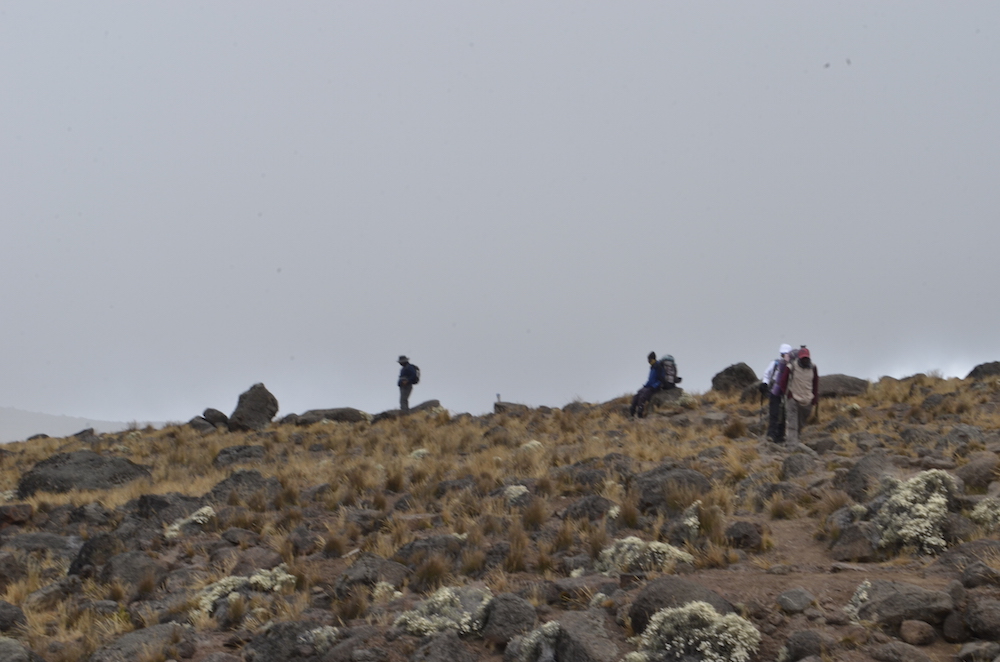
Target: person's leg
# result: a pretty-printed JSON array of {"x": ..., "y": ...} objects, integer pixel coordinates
[
  {"x": 404, "y": 397},
  {"x": 774, "y": 418},
  {"x": 792, "y": 422},
  {"x": 805, "y": 411},
  {"x": 635, "y": 404},
  {"x": 644, "y": 395}
]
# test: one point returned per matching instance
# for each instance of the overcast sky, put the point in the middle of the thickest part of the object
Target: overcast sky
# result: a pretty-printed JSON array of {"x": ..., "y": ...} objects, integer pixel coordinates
[{"x": 524, "y": 197}]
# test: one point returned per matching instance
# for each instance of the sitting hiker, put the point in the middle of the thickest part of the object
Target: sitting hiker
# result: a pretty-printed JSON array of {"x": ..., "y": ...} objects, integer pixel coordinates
[{"x": 662, "y": 375}]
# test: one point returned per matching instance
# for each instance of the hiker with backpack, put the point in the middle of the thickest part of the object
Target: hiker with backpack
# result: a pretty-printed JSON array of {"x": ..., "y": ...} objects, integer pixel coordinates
[
  {"x": 799, "y": 382},
  {"x": 769, "y": 387},
  {"x": 662, "y": 375},
  {"x": 409, "y": 375}
]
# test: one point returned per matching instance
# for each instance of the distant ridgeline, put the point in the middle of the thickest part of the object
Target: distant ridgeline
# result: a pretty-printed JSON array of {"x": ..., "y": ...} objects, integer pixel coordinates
[{"x": 18, "y": 425}]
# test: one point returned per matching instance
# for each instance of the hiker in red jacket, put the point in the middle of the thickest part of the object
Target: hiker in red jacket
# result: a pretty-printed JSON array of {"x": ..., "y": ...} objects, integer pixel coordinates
[{"x": 799, "y": 382}]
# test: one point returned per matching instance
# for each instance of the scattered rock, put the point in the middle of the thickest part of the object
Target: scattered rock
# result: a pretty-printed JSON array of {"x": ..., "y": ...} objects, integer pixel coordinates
[
  {"x": 79, "y": 470},
  {"x": 839, "y": 386},
  {"x": 444, "y": 647},
  {"x": 734, "y": 378},
  {"x": 671, "y": 591},
  {"x": 796, "y": 600},
  {"x": 745, "y": 535},
  {"x": 917, "y": 633},
  {"x": 238, "y": 454},
  {"x": 897, "y": 651},
  {"x": 802, "y": 644},
  {"x": 216, "y": 418},
  {"x": 507, "y": 616},
  {"x": 891, "y": 603},
  {"x": 11, "y": 617},
  {"x": 984, "y": 370},
  {"x": 254, "y": 410}
]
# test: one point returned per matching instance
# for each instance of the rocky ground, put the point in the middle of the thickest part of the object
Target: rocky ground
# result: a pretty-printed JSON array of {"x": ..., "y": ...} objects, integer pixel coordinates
[{"x": 527, "y": 534}]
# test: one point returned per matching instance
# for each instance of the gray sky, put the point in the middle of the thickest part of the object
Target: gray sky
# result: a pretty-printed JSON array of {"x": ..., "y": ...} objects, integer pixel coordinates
[{"x": 524, "y": 197}]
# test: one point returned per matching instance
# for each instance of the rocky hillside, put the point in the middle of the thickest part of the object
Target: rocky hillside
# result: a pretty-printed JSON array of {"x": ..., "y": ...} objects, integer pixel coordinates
[{"x": 570, "y": 534}]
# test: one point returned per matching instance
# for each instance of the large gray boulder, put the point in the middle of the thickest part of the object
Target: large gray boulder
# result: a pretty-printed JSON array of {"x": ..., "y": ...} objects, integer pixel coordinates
[
  {"x": 839, "y": 386},
  {"x": 982, "y": 615},
  {"x": 133, "y": 570},
  {"x": 891, "y": 603},
  {"x": 865, "y": 474},
  {"x": 655, "y": 485},
  {"x": 338, "y": 415},
  {"x": 735, "y": 378},
  {"x": 79, "y": 470},
  {"x": 671, "y": 591},
  {"x": 507, "y": 615},
  {"x": 42, "y": 543},
  {"x": 254, "y": 410}
]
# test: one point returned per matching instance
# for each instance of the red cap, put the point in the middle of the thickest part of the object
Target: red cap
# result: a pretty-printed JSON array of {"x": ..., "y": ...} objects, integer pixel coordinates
[{"x": 804, "y": 353}]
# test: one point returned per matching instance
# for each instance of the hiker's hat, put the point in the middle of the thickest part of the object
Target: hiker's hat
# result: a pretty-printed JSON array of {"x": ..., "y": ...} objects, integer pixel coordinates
[
  {"x": 403, "y": 359},
  {"x": 785, "y": 349},
  {"x": 804, "y": 353}
]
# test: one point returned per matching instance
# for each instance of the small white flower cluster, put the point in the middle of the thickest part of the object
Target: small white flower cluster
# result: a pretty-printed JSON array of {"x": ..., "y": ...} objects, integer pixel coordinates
[
  {"x": 691, "y": 520},
  {"x": 384, "y": 592},
  {"x": 633, "y": 553},
  {"x": 987, "y": 514},
  {"x": 200, "y": 516},
  {"x": 8, "y": 495},
  {"x": 696, "y": 629},
  {"x": 533, "y": 445},
  {"x": 857, "y": 600},
  {"x": 538, "y": 641},
  {"x": 322, "y": 638},
  {"x": 419, "y": 454},
  {"x": 614, "y": 512},
  {"x": 264, "y": 581},
  {"x": 514, "y": 492},
  {"x": 444, "y": 611},
  {"x": 916, "y": 511}
]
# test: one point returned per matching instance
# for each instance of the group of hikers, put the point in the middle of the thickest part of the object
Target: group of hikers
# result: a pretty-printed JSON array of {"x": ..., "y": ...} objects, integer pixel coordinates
[{"x": 791, "y": 381}]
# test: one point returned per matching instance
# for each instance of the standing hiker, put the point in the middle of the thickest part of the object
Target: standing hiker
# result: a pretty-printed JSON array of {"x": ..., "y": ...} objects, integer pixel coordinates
[
  {"x": 769, "y": 387},
  {"x": 409, "y": 375},
  {"x": 799, "y": 381}
]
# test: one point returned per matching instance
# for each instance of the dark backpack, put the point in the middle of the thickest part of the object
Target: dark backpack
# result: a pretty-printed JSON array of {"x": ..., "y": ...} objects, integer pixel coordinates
[
  {"x": 416, "y": 374},
  {"x": 667, "y": 370}
]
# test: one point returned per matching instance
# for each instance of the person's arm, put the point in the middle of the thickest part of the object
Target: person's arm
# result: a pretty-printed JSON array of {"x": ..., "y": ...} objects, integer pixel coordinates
[{"x": 783, "y": 379}]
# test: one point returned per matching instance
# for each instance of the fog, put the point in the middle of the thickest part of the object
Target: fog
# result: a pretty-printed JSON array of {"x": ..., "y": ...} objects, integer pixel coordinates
[{"x": 524, "y": 198}]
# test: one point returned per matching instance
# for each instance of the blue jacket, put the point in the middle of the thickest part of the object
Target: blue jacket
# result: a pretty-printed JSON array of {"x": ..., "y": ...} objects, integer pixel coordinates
[
  {"x": 409, "y": 373},
  {"x": 654, "y": 378}
]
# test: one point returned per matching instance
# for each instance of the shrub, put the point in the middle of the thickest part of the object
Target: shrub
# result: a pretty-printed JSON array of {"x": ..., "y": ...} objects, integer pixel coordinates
[
  {"x": 987, "y": 514},
  {"x": 632, "y": 553},
  {"x": 696, "y": 630},
  {"x": 916, "y": 510},
  {"x": 451, "y": 608}
]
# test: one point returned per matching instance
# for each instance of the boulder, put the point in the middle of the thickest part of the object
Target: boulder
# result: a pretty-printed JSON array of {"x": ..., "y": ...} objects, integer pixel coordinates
[
  {"x": 591, "y": 507},
  {"x": 163, "y": 639},
  {"x": 338, "y": 415},
  {"x": 979, "y": 574},
  {"x": 856, "y": 543},
  {"x": 979, "y": 471},
  {"x": 244, "y": 483},
  {"x": 11, "y": 650},
  {"x": 282, "y": 642},
  {"x": 654, "y": 485},
  {"x": 865, "y": 475},
  {"x": 444, "y": 647},
  {"x": 50, "y": 544},
  {"x": 254, "y": 410},
  {"x": 201, "y": 425},
  {"x": 745, "y": 535},
  {"x": 507, "y": 615},
  {"x": 95, "y": 552},
  {"x": 839, "y": 386},
  {"x": 12, "y": 569},
  {"x": 52, "y": 594},
  {"x": 584, "y": 637},
  {"x": 891, "y": 603},
  {"x": 216, "y": 417},
  {"x": 671, "y": 591},
  {"x": 803, "y": 643},
  {"x": 237, "y": 455},
  {"x": 79, "y": 470},
  {"x": 978, "y": 651},
  {"x": 132, "y": 569},
  {"x": 917, "y": 633},
  {"x": 734, "y": 378},
  {"x": 984, "y": 370},
  {"x": 982, "y": 615},
  {"x": 11, "y": 617},
  {"x": 368, "y": 570},
  {"x": 796, "y": 600},
  {"x": 797, "y": 464}
]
